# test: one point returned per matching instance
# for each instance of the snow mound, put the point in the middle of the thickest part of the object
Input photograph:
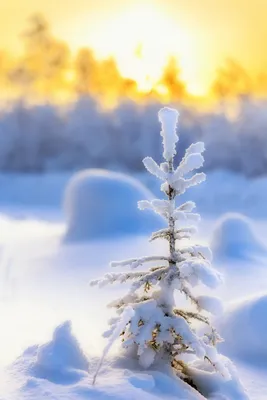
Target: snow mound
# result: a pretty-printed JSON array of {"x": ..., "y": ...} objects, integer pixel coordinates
[
  {"x": 61, "y": 359},
  {"x": 59, "y": 370},
  {"x": 101, "y": 203},
  {"x": 35, "y": 377},
  {"x": 214, "y": 386},
  {"x": 234, "y": 237},
  {"x": 244, "y": 327}
]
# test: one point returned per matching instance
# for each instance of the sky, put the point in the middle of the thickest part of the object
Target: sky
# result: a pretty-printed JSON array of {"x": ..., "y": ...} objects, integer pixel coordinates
[{"x": 142, "y": 34}]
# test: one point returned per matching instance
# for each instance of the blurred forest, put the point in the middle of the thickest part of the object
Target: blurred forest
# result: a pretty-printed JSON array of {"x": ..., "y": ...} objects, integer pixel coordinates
[
  {"x": 47, "y": 69},
  {"x": 65, "y": 111}
]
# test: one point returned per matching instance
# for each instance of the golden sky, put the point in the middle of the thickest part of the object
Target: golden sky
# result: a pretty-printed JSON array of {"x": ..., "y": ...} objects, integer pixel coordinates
[{"x": 202, "y": 33}]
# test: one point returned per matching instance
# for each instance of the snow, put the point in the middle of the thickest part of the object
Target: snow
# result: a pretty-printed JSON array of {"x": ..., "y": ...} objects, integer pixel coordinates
[
  {"x": 195, "y": 148},
  {"x": 117, "y": 380},
  {"x": 244, "y": 326},
  {"x": 168, "y": 118},
  {"x": 154, "y": 169},
  {"x": 211, "y": 304},
  {"x": 123, "y": 320},
  {"x": 60, "y": 355},
  {"x": 192, "y": 159},
  {"x": 47, "y": 284},
  {"x": 62, "y": 371},
  {"x": 46, "y": 191},
  {"x": 115, "y": 383},
  {"x": 44, "y": 279},
  {"x": 215, "y": 387},
  {"x": 101, "y": 203},
  {"x": 181, "y": 184},
  {"x": 197, "y": 271},
  {"x": 234, "y": 237},
  {"x": 191, "y": 162}
]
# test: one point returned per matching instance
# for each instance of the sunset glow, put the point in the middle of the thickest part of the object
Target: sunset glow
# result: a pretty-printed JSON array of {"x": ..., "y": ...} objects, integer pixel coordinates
[{"x": 141, "y": 36}]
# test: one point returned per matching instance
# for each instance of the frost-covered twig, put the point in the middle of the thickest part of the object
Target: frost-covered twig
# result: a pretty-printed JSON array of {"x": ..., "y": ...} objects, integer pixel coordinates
[
  {"x": 153, "y": 168},
  {"x": 198, "y": 251},
  {"x": 124, "y": 320},
  {"x": 117, "y": 277},
  {"x": 138, "y": 262}
]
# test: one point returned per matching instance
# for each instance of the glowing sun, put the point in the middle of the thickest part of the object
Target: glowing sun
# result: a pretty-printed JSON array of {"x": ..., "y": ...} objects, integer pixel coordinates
[{"x": 142, "y": 38}]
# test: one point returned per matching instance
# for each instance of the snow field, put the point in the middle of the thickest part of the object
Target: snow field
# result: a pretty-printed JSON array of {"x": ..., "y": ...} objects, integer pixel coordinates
[{"x": 28, "y": 310}]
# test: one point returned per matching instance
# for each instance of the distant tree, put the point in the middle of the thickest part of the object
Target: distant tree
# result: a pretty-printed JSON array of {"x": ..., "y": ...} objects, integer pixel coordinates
[
  {"x": 45, "y": 61},
  {"x": 110, "y": 80},
  {"x": 85, "y": 67},
  {"x": 231, "y": 80},
  {"x": 172, "y": 81},
  {"x": 261, "y": 84},
  {"x": 101, "y": 78},
  {"x": 5, "y": 64}
]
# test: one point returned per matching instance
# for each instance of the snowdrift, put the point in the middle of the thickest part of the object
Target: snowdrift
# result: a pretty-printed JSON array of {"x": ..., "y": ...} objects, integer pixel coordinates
[
  {"x": 101, "y": 203},
  {"x": 59, "y": 370},
  {"x": 60, "y": 360},
  {"x": 233, "y": 237},
  {"x": 243, "y": 328},
  {"x": 34, "y": 191},
  {"x": 214, "y": 386}
]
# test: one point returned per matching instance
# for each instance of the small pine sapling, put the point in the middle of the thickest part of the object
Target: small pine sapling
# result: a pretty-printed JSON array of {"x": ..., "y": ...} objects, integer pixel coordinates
[{"x": 153, "y": 325}]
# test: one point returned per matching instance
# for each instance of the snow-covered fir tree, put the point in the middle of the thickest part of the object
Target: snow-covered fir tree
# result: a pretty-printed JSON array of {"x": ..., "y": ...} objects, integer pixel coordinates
[{"x": 148, "y": 319}]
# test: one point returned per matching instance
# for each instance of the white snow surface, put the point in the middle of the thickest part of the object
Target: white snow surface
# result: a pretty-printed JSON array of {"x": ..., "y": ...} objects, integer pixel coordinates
[
  {"x": 247, "y": 315},
  {"x": 44, "y": 282},
  {"x": 100, "y": 203},
  {"x": 234, "y": 237},
  {"x": 115, "y": 383},
  {"x": 46, "y": 191},
  {"x": 60, "y": 355}
]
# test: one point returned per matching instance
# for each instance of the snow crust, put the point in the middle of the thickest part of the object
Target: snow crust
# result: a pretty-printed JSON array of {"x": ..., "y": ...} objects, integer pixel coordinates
[{"x": 101, "y": 203}]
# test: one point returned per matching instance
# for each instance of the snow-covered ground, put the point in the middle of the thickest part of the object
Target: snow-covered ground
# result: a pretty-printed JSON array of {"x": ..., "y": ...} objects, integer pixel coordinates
[{"x": 44, "y": 283}]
